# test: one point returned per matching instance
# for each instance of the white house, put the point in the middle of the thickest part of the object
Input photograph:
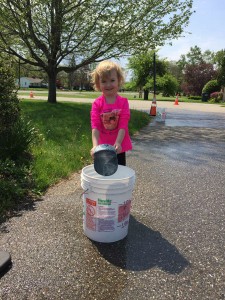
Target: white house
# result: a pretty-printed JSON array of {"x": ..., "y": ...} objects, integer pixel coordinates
[{"x": 26, "y": 82}]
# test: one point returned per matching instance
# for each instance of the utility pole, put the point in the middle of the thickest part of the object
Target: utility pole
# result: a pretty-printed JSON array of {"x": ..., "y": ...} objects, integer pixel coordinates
[
  {"x": 154, "y": 105},
  {"x": 154, "y": 74},
  {"x": 19, "y": 74}
]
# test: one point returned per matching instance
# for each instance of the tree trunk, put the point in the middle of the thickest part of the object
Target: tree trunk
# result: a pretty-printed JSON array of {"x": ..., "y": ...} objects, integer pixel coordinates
[
  {"x": 145, "y": 94},
  {"x": 223, "y": 91},
  {"x": 52, "y": 87}
]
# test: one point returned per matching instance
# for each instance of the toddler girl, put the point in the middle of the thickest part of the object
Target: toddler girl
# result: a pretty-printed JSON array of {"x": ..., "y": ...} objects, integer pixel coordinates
[{"x": 110, "y": 112}]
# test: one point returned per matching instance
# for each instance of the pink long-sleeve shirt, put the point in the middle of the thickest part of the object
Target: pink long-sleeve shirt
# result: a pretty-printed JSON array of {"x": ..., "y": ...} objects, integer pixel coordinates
[{"x": 104, "y": 115}]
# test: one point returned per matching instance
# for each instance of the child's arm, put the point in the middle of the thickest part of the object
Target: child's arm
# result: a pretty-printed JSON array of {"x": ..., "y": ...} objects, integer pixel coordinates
[
  {"x": 95, "y": 138},
  {"x": 119, "y": 139}
]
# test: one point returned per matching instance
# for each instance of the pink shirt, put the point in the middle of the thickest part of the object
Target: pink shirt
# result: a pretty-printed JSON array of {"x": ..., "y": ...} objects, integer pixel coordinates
[{"x": 114, "y": 117}]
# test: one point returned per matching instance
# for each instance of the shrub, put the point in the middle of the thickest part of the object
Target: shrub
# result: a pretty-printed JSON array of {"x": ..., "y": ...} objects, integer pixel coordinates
[
  {"x": 16, "y": 142},
  {"x": 16, "y": 137},
  {"x": 16, "y": 134},
  {"x": 216, "y": 97},
  {"x": 15, "y": 184},
  {"x": 9, "y": 103},
  {"x": 211, "y": 87},
  {"x": 195, "y": 97}
]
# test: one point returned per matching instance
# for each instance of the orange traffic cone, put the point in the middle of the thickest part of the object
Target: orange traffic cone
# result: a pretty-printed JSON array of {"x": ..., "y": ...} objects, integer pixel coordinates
[
  {"x": 176, "y": 101},
  {"x": 31, "y": 95},
  {"x": 153, "y": 107}
]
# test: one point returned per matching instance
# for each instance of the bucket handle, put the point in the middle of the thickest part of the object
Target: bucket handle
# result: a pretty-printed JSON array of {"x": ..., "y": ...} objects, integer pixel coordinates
[{"x": 84, "y": 192}]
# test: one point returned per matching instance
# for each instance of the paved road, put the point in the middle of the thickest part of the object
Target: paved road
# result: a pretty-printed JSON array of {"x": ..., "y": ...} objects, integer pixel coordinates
[{"x": 176, "y": 240}]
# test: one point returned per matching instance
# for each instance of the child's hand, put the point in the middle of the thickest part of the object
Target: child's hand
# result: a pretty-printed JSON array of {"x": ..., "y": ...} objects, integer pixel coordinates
[
  {"x": 92, "y": 151},
  {"x": 118, "y": 148}
]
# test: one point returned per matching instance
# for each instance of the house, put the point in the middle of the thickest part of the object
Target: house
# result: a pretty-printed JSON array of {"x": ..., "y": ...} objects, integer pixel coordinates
[{"x": 26, "y": 82}]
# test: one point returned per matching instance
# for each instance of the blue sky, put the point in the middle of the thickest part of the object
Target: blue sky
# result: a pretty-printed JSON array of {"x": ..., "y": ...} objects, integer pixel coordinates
[{"x": 207, "y": 27}]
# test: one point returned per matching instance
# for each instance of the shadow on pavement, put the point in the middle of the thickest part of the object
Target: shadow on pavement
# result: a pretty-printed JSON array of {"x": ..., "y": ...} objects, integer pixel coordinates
[{"x": 143, "y": 249}]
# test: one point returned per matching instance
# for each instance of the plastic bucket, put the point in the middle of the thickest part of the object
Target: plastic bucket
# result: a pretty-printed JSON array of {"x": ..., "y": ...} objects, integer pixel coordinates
[
  {"x": 105, "y": 160},
  {"x": 107, "y": 203},
  {"x": 161, "y": 115}
]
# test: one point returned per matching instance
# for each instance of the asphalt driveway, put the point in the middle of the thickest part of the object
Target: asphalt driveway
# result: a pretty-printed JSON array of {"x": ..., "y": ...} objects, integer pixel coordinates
[{"x": 176, "y": 240}]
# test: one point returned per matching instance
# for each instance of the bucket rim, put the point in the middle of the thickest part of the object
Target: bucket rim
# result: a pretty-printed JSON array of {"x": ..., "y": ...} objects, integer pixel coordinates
[{"x": 106, "y": 178}]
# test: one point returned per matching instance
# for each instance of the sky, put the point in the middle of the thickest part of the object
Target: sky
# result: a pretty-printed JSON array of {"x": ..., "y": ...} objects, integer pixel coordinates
[{"x": 207, "y": 29}]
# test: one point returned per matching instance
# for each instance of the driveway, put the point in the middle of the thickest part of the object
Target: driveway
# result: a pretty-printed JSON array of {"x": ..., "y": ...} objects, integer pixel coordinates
[{"x": 176, "y": 239}]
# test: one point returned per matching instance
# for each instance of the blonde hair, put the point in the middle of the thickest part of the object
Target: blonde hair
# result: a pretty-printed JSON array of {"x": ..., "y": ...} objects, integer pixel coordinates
[{"x": 103, "y": 69}]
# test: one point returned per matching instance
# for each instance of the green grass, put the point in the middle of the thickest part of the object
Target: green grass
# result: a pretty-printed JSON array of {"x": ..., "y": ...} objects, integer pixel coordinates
[
  {"x": 65, "y": 141},
  {"x": 94, "y": 95},
  {"x": 64, "y": 94}
]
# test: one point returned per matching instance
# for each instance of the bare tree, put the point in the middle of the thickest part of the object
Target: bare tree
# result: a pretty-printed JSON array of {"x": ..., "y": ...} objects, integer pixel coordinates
[{"x": 45, "y": 33}]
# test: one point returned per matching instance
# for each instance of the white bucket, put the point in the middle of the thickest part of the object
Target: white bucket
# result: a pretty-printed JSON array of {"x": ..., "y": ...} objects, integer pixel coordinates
[
  {"x": 161, "y": 115},
  {"x": 107, "y": 203}
]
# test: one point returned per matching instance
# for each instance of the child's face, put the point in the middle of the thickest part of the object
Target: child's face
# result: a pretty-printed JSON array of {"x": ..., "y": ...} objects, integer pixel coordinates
[{"x": 109, "y": 84}]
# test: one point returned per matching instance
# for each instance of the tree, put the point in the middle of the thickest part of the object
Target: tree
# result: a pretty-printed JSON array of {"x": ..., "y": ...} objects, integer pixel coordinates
[
  {"x": 143, "y": 71},
  {"x": 197, "y": 68},
  {"x": 221, "y": 76},
  {"x": 219, "y": 57},
  {"x": 196, "y": 76},
  {"x": 167, "y": 84},
  {"x": 195, "y": 56},
  {"x": 71, "y": 75},
  {"x": 176, "y": 72},
  {"x": 45, "y": 33}
]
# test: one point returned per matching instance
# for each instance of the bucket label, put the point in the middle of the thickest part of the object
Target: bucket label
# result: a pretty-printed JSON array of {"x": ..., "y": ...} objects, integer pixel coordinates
[
  {"x": 90, "y": 202},
  {"x": 106, "y": 212},
  {"x": 104, "y": 202},
  {"x": 104, "y": 215},
  {"x": 124, "y": 211},
  {"x": 106, "y": 225},
  {"x": 101, "y": 215},
  {"x": 90, "y": 214}
]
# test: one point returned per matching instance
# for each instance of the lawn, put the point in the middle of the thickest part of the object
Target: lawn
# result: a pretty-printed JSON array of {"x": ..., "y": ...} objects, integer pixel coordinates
[
  {"x": 65, "y": 138},
  {"x": 94, "y": 95}
]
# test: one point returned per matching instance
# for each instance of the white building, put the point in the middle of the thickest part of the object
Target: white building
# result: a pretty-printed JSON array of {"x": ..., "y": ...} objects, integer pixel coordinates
[{"x": 26, "y": 82}]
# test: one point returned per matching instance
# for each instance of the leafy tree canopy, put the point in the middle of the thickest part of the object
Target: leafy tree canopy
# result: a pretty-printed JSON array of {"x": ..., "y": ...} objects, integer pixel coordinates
[
  {"x": 196, "y": 76},
  {"x": 198, "y": 68},
  {"x": 221, "y": 73},
  {"x": 167, "y": 84},
  {"x": 45, "y": 33},
  {"x": 196, "y": 56},
  {"x": 219, "y": 57},
  {"x": 142, "y": 67}
]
